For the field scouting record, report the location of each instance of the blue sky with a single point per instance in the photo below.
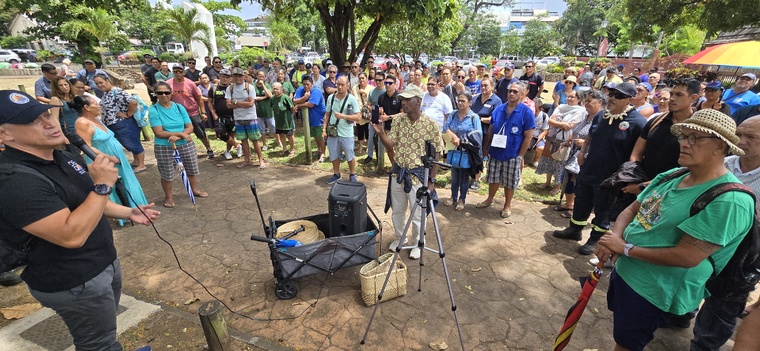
(250, 10)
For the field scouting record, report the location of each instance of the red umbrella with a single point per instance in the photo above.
(575, 312)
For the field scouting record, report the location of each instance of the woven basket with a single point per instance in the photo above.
(373, 275)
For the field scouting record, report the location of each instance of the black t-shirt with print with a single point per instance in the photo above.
(391, 105)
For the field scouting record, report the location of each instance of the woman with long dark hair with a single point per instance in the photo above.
(63, 95)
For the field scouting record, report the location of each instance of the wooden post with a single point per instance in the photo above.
(214, 326)
(21, 87)
(306, 134)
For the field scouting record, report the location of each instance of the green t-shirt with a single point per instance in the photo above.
(263, 107)
(662, 220)
(287, 88)
(345, 128)
(283, 115)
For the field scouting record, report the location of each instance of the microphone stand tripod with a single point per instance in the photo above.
(423, 202)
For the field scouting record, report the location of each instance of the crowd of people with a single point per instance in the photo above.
(608, 142)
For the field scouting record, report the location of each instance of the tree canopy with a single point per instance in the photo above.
(712, 16)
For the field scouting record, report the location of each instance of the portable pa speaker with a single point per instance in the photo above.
(347, 208)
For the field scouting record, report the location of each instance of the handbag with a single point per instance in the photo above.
(561, 153)
(332, 129)
(458, 158)
(366, 112)
(572, 165)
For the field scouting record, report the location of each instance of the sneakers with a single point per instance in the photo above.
(264, 148)
(239, 151)
(367, 160)
(570, 233)
(352, 178)
(210, 154)
(415, 253)
(475, 185)
(589, 247)
(333, 179)
(595, 261)
(10, 278)
(227, 155)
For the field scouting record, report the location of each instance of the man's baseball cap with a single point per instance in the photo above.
(20, 108)
(626, 88)
(328, 62)
(300, 62)
(225, 72)
(237, 71)
(714, 85)
(89, 61)
(620, 67)
(510, 66)
(749, 75)
(480, 64)
(646, 85)
(412, 91)
(611, 70)
(308, 66)
(178, 66)
(147, 56)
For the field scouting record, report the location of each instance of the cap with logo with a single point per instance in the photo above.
(714, 85)
(20, 108)
(177, 66)
(237, 71)
(510, 66)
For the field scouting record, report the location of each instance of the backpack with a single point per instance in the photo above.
(15, 254)
(141, 114)
(247, 89)
(742, 271)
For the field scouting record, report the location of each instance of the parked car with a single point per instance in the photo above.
(126, 55)
(26, 55)
(9, 56)
(516, 60)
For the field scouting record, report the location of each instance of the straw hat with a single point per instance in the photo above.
(713, 122)
(309, 235)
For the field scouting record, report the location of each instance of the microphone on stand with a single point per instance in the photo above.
(77, 141)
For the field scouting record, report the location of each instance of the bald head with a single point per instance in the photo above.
(342, 85)
(749, 137)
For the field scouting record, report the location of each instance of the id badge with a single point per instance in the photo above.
(499, 141)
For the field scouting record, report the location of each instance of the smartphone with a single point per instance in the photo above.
(375, 114)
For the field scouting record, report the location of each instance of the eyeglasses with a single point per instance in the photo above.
(462, 101)
(693, 138)
(163, 93)
(389, 83)
(333, 72)
(512, 91)
(432, 84)
(618, 95)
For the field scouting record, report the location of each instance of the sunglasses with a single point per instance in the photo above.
(378, 80)
(389, 83)
(618, 95)
(191, 63)
(461, 77)
(163, 93)
(528, 66)
(354, 66)
(332, 72)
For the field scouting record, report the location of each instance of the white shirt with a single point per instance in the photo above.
(437, 107)
(750, 179)
(240, 94)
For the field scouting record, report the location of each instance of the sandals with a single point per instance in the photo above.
(201, 194)
(483, 205)
(506, 213)
(554, 191)
(568, 215)
(262, 165)
(460, 206)
(244, 164)
(169, 204)
(559, 208)
(448, 202)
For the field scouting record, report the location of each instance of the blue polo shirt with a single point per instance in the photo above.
(737, 101)
(316, 113)
(513, 126)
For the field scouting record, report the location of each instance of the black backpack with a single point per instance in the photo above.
(15, 254)
(742, 271)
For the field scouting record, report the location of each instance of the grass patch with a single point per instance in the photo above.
(529, 191)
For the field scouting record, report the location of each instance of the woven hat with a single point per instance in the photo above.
(309, 235)
(713, 122)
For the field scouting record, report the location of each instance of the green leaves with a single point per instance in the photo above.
(181, 22)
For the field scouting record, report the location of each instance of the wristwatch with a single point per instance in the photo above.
(642, 186)
(432, 180)
(102, 189)
(627, 248)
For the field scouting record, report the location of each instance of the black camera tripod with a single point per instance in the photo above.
(424, 202)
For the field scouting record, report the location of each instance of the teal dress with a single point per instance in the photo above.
(68, 117)
(106, 143)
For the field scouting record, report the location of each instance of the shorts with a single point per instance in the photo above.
(165, 160)
(266, 125)
(128, 134)
(634, 318)
(316, 132)
(506, 173)
(247, 132)
(337, 144)
(287, 132)
(225, 127)
(362, 131)
(198, 129)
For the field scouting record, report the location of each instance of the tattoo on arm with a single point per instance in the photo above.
(703, 246)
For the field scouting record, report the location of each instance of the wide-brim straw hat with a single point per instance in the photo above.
(714, 122)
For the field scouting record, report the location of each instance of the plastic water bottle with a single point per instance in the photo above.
(350, 110)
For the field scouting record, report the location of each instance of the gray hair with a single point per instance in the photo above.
(598, 95)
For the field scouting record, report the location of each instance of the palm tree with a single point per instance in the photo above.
(181, 22)
(283, 35)
(96, 22)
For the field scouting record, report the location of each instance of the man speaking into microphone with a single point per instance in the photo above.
(50, 198)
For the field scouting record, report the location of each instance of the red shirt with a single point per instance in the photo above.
(185, 94)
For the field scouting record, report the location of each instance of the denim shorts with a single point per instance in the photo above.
(128, 134)
(634, 318)
(337, 144)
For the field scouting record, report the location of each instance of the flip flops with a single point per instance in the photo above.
(559, 208)
(202, 194)
(244, 164)
(483, 205)
(506, 213)
(170, 204)
(568, 215)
